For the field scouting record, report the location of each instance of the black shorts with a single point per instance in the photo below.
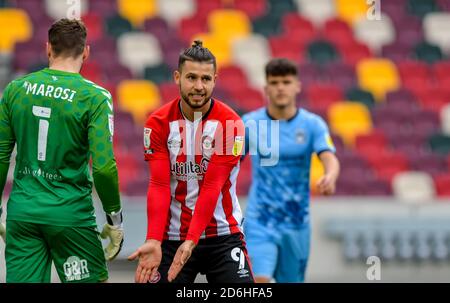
(222, 259)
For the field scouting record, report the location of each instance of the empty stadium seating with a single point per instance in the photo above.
(383, 86)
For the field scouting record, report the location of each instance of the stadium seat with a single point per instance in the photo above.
(430, 163)
(338, 32)
(351, 10)
(279, 8)
(253, 8)
(359, 95)
(94, 25)
(116, 26)
(204, 7)
(375, 34)
(349, 119)
(285, 47)
(388, 164)
(413, 69)
(160, 28)
(15, 26)
(138, 97)
(354, 52)
(374, 143)
(136, 50)
(322, 52)
(251, 54)
(104, 8)
(421, 7)
(396, 51)
(158, 73)
(445, 119)
(321, 96)
(435, 26)
(441, 72)
(317, 11)
(248, 98)
(440, 143)
(413, 186)
(377, 76)
(229, 24)
(442, 184)
(410, 28)
(168, 91)
(298, 29)
(232, 78)
(136, 11)
(219, 47)
(174, 10)
(427, 52)
(190, 26)
(58, 9)
(340, 73)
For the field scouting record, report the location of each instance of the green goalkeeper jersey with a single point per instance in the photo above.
(58, 120)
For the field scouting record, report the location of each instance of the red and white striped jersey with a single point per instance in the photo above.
(188, 149)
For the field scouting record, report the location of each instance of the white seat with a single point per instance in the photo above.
(413, 187)
(138, 50)
(375, 33)
(445, 119)
(252, 53)
(436, 28)
(58, 9)
(175, 10)
(318, 11)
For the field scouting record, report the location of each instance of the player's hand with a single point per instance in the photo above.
(2, 231)
(149, 255)
(114, 231)
(182, 255)
(326, 185)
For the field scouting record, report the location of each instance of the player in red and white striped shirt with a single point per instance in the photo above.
(193, 145)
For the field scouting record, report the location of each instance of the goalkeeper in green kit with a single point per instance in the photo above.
(58, 121)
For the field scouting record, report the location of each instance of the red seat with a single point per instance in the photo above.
(232, 78)
(442, 183)
(191, 26)
(373, 143)
(285, 47)
(321, 96)
(298, 28)
(204, 7)
(253, 8)
(338, 32)
(248, 98)
(168, 91)
(91, 70)
(414, 69)
(387, 164)
(354, 52)
(94, 25)
(434, 99)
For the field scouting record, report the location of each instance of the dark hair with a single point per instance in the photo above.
(281, 67)
(196, 53)
(67, 37)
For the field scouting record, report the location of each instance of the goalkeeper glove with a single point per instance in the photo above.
(113, 230)
(2, 231)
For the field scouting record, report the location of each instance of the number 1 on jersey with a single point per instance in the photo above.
(43, 112)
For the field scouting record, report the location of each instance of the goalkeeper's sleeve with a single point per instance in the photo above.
(104, 168)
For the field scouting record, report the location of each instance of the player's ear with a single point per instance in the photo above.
(176, 77)
(86, 52)
(49, 49)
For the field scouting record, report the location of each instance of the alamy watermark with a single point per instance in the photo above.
(74, 9)
(373, 272)
(374, 11)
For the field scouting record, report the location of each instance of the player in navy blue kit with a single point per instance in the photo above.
(277, 225)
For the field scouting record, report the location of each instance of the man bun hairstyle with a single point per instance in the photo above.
(67, 37)
(196, 53)
(281, 67)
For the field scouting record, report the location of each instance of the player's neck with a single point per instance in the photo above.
(193, 114)
(282, 113)
(66, 65)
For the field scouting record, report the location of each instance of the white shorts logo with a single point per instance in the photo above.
(238, 255)
(75, 269)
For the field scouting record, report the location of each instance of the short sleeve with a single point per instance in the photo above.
(322, 140)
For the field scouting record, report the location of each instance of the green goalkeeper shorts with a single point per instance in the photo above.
(76, 252)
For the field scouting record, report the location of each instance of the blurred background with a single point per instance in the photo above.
(377, 71)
